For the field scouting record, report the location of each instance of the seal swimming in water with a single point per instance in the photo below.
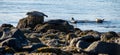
(73, 20)
(99, 20)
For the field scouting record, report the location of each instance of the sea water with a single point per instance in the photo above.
(11, 11)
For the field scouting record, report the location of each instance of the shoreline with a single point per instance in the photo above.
(33, 35)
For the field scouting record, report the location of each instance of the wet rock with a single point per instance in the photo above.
(16, 33)
(7, 25)
(35, 35)
(85, 41)
(57, 51)
(104, 48)
(5, 33)
(36, 46)
(53, 43)
(1, 33)
(50, 36)
(109, 36)
(34, 40)
(70, 36)
(78, 42)
(74, 41)
(32, 20)
(63, 25)
(12, 43)
(26, 30)
(82, 44)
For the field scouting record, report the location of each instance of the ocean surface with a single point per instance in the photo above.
(13, 10)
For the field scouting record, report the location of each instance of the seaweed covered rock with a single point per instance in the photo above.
(57, 51)
(58, 24)
(50, 36)
(7, 25)
(109, 36)
(32, 20)
(12, 43)
(82, 42)
(104, 48)
(17, 34)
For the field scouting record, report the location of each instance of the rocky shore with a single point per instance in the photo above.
(34, 36)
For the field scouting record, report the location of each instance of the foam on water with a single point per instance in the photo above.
(13, 10)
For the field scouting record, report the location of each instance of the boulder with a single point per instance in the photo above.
(63, 25)
(57, 51)
(7, 25)
(53, 43)
(32, 20)
(17, 34)
(86, 40)
(104, 48)
(82, 44)
(74, 41)
(70, 36)
(36, 46)
(109, 36)
(12, 43)
(33, 40)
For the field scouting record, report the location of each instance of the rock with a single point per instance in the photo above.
(74, 41)
(7, 25)
(16, 33)
(109, 36)
(82, 44)
(70, 36)
(63, 25)
(32, 20)
(53, 43)
(50, 36)
(33, 40)
(12, 43)
(104, 48)
(36, 46)
(5, 33)
(85, 39)
(26, 30)
(22, 23)
(57, 51)
(1, 33)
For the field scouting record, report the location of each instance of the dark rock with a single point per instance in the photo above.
(57, 51)
(50, 36)
(36, 46)
(53, 43)
(33, 40)
(104, 48)
(12, 43)
(54, 24)
(82, 44)
(32, 20)
(1, 33)
(7, 25)
(16, 33)
(74, 41)
(109, 36)
(70, 36)
(85, 39)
